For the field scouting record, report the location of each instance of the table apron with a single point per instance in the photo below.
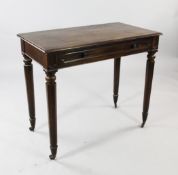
(94, 54)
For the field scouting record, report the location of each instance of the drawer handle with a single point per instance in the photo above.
(70, 61)
(81, 54)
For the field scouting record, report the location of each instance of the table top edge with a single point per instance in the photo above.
(47, 51)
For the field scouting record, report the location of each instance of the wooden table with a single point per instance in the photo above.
(61, 48)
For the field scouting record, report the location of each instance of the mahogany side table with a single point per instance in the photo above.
(61, 48)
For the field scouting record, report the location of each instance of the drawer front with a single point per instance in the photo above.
(105, 52)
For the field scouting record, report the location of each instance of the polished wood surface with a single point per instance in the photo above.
(63, 48)
(77, 37)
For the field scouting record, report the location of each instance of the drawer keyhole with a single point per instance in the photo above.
(82, 55)
(134, 46)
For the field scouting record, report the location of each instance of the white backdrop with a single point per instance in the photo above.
(94, 138)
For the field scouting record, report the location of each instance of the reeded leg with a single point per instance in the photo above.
(148, 84)
(28, 70)
(116, 80)
(52, 110)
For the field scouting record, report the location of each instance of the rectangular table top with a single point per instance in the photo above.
(76, 37)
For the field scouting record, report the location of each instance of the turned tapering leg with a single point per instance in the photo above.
(116, 80)
(28, 70)
(52, 110)
(148, 84)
